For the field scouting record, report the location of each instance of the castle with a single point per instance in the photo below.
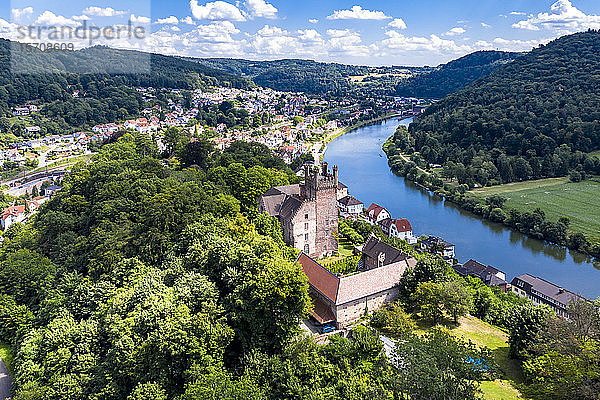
(307, 212)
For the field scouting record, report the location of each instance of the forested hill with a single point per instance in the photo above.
(455, 75)
(106, 76)
(291, 75)
(534, 117)
(163, 71)
(311, 76)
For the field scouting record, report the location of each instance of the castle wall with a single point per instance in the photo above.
(303, 229)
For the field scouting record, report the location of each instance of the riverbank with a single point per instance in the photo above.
(531, 219)
(320, 147)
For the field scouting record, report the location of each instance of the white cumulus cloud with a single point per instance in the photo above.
(397, 23)
(169, 20)
(260, 9)
(103, 12)
(357, 12)
(455, 31)
(313, 20)
(139, 19)
(563, 18)
(187, 20)
(18, 13)
(216, 10)
(48, 18)
(398, 43)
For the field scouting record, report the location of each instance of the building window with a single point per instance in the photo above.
(305, 216)
(306, 249)
(325, 248)
(326, 222)
(306, 236)
(306, 226)
(326, 232)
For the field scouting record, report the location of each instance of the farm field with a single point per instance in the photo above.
(557, 197)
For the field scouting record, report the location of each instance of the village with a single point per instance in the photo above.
(290, 124)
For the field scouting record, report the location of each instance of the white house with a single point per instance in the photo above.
(377, 213)
(398, 228)
(342, 191)
(16, 214)
(438, 246)
(350, 205)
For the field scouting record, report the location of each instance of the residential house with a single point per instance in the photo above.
(437, 246)
(540, 291)
(398, 228)
(376, 253)
(20, 111)
(489, 275)
(15, 214)
(342, 190)
(350, 205)
(331, 125)
(32, 130)
(51, 190)
(376, 213)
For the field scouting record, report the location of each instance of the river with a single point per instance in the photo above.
(363, 168)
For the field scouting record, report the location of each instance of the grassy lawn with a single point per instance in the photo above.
(7, 356)
(557, 197)
(345, 249)
(483, 334)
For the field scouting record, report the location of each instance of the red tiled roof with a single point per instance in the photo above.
(402, 225)
(376, 208)
(319, 277)
(13, 210)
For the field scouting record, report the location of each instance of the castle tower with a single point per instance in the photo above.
(320, 186)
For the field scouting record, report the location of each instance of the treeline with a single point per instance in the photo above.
(453, 76)
(533, 223)
(534, 117)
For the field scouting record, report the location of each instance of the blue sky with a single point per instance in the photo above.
(378, 32)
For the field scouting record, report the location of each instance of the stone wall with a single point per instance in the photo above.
(351, 311)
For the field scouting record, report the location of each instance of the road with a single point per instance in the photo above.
(5, 382)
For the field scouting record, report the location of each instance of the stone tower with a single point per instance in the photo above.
(320, 186)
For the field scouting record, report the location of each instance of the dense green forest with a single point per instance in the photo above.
(535, 117)
(455, 75)
(307, 76)
(100, 73)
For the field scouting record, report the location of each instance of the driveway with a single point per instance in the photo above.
(5, 382)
